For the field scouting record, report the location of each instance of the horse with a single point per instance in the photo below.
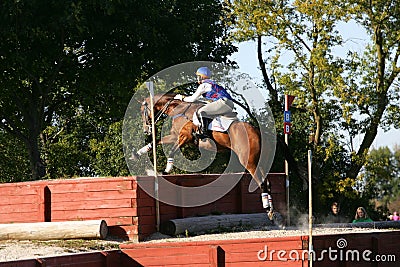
(242, 138)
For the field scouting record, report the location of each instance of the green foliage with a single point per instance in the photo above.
(66, 156)
(338, 96)
(12, 154)
(380, 179)
(69, 68)
(108, 154)
(63, 59)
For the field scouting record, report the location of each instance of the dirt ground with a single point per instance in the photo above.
(12, 250)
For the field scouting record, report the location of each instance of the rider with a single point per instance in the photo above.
(220, 101)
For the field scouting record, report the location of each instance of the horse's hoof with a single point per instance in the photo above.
(165, 173)
(277, 219)
(134, 155)
(270, 214)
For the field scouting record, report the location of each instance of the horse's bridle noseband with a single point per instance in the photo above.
(146, 116)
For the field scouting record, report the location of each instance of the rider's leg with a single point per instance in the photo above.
(218, 107)
(212, 110)
(204, 120)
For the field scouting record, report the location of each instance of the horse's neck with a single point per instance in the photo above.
(162, 103)
(184, 108)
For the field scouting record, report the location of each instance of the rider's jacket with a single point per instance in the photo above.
(217, 91)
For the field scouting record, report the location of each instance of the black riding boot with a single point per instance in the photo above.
(203, 128)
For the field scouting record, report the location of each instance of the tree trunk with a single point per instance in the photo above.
(277, 110)
(54, 230)
(376, 117)
(38, 169)
(207, 223)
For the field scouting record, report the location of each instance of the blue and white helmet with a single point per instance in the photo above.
(203, 72)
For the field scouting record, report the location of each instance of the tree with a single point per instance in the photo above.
(62, 57)
(379, 180)
(339, 97)
(375, 96)
(13, 154)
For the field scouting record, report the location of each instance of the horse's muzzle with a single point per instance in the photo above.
(147, 130)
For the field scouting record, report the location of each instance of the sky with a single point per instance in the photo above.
(246, 58)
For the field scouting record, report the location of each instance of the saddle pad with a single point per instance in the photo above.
(219, 124)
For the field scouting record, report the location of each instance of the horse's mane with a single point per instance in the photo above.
(164, 97)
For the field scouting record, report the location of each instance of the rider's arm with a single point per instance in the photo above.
(203, 88)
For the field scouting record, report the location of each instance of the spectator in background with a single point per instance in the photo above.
(395, 216)
(334, 215)
(361, 216)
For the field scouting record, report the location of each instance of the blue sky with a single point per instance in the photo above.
(246, 58)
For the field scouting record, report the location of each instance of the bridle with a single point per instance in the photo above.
(146, 116)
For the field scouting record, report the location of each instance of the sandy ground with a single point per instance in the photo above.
(18, 250)
(12, 250)
(260, 233)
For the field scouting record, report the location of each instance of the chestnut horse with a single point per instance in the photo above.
(242, 138)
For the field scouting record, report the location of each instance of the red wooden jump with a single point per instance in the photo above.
(372, 248)
(127, 209)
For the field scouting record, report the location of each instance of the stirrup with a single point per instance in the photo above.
(203, 136)
(200, 135)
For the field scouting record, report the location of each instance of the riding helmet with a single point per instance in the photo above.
(204, 72)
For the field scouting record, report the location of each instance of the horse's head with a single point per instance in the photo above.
(146, 116)
(161, 103)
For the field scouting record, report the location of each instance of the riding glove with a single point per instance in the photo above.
(179, 97)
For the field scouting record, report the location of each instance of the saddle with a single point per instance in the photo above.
(220, 123)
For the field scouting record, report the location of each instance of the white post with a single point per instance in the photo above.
(287, 124)
(287, 183)
(310, 220)
(150, 86)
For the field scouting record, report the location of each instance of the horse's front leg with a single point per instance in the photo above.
(169, 139)
(181, 140)
(136, 154)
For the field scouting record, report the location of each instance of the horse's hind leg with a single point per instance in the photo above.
(266, 197)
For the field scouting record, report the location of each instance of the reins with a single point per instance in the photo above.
(183, 113)
(159, 113)
(157, 117)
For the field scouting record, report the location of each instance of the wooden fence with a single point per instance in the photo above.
(128, 211)
(375, 249)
